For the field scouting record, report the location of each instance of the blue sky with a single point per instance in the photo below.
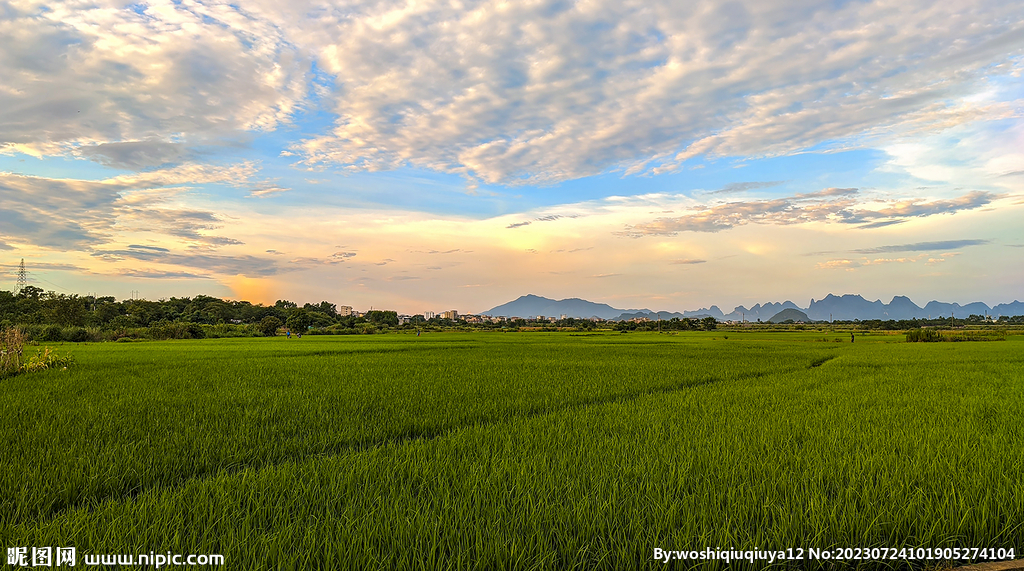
(431, 155)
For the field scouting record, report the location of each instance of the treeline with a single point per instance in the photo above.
(674, 324)
(50, 316)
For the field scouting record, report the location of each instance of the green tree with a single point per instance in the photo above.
(709, 323)
(269, 326)
(382, 317)
(30, 292)
(298, 320)
(324, 307)
(318, 319)
(64, 310)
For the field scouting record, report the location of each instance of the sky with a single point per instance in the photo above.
(432, 155)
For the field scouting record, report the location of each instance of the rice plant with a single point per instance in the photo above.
(532, 451)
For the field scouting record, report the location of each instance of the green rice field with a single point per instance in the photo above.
(518, 450)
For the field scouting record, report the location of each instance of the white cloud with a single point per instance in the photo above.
(66, 214)
(546, 91)
(981, 153)
(81, 73)
(500, 92)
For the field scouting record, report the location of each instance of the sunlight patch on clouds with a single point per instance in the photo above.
(853, 264)
(840, 206)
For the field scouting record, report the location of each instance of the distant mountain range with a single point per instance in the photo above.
(843, 308)
(531, 306)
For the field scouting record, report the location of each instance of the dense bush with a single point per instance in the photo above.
(229, 330)
(176, 331)
(976, 336)
(923, 335)
(193, 331)
(76, 335)
(50, 333)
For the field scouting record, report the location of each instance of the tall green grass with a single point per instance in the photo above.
(527, 451)
(133, 417)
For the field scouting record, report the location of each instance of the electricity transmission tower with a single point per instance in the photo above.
(22, 276)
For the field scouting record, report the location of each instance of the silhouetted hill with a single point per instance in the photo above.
(701, 313)
(760, 311)
(902, 308)
(937, 309)
(846, 307)
(787, 314)
(1010, 309)
(534, 305)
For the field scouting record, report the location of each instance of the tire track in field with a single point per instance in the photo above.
(409, 436)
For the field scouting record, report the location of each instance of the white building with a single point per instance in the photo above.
(429, 315)
(345, 310)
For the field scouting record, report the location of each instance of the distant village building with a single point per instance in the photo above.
(563, 316)
(450, 314)
(429, 315)
(345, 311)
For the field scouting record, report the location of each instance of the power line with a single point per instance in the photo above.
(36, 276)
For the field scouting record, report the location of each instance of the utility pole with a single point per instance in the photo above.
(22, 276)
